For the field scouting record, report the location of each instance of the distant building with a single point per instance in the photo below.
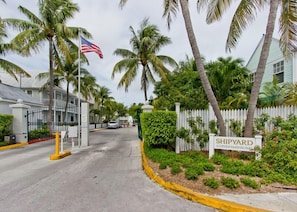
(32, 88)
(12, 95)
(285, 69)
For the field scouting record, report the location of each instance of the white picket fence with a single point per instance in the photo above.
(228, 115)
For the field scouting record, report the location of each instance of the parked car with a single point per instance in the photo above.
(113, 125)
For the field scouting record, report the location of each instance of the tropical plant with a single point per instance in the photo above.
(183, 86)
(66, 70)
(49, 27)
(229, 78)
(88, 86)
(101, 96)
(244, 15)
(11, 68)
(146, 43)
(291, 91)
(273, 94)
(171, 7)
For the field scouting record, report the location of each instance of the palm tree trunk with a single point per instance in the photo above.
(51, 86)
(260, 69)
(199, 63)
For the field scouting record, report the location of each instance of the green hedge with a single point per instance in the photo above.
(5, 125)
(159, 128)
(43, 132)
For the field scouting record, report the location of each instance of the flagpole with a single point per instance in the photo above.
(79, 113)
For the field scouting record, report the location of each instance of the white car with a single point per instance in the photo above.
(113, 125)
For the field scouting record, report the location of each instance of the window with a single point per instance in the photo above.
(29, 92)
(278, 71)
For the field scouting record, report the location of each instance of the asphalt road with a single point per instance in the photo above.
(105, 176)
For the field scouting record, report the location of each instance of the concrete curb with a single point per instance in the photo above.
(12, 146)
(193, 196)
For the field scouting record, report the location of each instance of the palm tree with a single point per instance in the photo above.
(228, 77)
(88, 85)
(49, 27)
(101, 96)
(66, 70)
(11, 68)
(145, 44)
(244, 15)
(171, 7)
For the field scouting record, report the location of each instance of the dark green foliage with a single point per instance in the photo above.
(175, 169)
(233, 167)
(236, 127)
(195, 133)
(249, 182)
(219, 158)
(211, 182)
(43, 132)
(5, 125)
(194, 171)
(213, 127)
(163, 166)
(230, 182)
(159, 128)
(208, 167)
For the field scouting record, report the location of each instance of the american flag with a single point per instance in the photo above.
(87, 46)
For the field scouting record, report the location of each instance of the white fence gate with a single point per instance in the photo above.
(228, 116)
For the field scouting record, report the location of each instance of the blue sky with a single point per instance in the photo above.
(109, 26)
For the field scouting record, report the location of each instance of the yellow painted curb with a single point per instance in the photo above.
(60, 156)
(13, 146)
(193, 196)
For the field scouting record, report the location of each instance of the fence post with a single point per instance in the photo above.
(211, 145)
(19, 112)
(177, 110)
(146, 108)
(211, 113)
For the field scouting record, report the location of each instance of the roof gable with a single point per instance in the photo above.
(11, 93)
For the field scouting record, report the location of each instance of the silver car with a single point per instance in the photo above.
(113, 125)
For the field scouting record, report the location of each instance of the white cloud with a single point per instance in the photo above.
(109, 26)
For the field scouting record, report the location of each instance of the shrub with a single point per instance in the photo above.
(192, 172)
(5, 125)
(230, 182)
(163, 165)
(211, 182)
(249, 182)
(219, 159)
(175, 169)
(208, 167)
(159, 128)
(43, 132)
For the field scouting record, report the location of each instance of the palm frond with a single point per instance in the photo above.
(288, 31)
(245, 14)
(170, 9)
